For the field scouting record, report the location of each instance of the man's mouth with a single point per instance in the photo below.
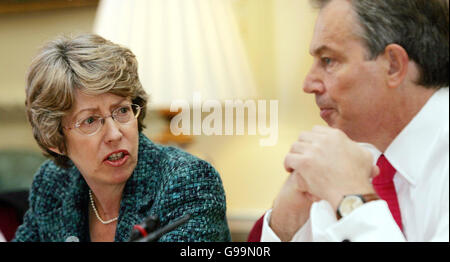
(326, 112)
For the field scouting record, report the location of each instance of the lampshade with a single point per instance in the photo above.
(182, 47)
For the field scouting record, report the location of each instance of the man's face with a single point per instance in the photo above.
(349, 88)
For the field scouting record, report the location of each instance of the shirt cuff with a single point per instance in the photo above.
(369, 223)
(2, 238)
(267, 235)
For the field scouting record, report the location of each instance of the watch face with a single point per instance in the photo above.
(350, 203)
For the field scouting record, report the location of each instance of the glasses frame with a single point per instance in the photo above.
(102, 119)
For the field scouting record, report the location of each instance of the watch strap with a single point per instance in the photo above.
(370, 197)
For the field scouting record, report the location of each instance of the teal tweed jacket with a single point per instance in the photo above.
(166, 182)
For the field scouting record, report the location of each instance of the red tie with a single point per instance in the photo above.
(384, 186)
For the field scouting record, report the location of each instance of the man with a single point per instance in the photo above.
(380, 171)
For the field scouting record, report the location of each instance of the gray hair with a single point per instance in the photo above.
(88, 63)
(421, 27)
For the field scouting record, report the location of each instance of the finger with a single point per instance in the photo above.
(375, 171)
(328, 131)
(300, 183)
(299, 147)
(292, 162)
(322, 129)
(310, 137)
(312, 197)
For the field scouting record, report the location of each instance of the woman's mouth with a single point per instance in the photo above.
(117, 159)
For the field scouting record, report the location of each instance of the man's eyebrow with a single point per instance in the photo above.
(319, 50)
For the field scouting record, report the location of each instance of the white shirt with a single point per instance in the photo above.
(2, 238)
(420, 154)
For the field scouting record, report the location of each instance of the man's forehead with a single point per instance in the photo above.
(335, 25)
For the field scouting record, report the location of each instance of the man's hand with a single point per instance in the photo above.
(331, 164)
(291, 208)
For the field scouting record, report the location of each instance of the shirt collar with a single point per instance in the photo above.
(418, 139)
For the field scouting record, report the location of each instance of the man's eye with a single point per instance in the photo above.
(327, 61)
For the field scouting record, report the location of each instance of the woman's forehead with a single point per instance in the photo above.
(97, 102)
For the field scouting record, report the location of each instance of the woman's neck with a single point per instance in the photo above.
(107, 200)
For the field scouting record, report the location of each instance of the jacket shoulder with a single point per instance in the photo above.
(49, 185)
(167, 158)
(190, 185)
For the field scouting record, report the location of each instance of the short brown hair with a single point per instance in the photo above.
(88, 63)
(421, 27)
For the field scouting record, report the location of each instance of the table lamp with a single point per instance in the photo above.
(183, 47)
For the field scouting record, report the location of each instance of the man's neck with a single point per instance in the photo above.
(406, 104)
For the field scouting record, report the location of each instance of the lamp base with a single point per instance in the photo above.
(166, 137)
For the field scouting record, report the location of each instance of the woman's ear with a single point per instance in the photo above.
(55, 150)
(398, 62)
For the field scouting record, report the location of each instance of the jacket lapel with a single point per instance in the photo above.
(139, 191)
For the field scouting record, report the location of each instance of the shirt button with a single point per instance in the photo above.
(346, 240)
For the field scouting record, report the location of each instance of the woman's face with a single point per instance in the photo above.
(109, 156)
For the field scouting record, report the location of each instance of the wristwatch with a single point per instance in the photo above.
(352, 202)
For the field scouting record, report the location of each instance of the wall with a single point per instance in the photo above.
(21, 36)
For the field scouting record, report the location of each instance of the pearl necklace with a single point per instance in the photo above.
(96, 213)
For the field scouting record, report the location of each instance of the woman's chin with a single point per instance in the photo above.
(119, 172)
(116, 178)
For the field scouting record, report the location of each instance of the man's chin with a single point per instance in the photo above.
(331, 123)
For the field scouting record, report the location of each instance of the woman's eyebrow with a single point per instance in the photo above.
(96, 108)
(118, 103)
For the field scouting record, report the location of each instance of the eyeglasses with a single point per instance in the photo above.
(92, 124)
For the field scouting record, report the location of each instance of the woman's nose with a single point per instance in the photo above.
(112, 130)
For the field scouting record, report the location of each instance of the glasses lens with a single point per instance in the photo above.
(90, 125)
(125, 114)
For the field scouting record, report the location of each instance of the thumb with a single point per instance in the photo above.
(375, 171)
(312, 197)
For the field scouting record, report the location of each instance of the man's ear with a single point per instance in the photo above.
(398, 62)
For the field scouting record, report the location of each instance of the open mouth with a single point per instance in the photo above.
(117, 158)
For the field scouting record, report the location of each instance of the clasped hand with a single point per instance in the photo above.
(330, 165)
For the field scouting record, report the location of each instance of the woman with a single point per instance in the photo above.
(86, 107)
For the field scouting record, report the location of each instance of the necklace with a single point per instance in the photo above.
(96, 213)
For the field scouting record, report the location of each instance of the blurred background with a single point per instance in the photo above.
(251, 49)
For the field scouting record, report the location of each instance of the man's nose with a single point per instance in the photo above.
(313, 83)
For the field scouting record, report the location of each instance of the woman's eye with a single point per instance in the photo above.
(89, 120)
(123, 110)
